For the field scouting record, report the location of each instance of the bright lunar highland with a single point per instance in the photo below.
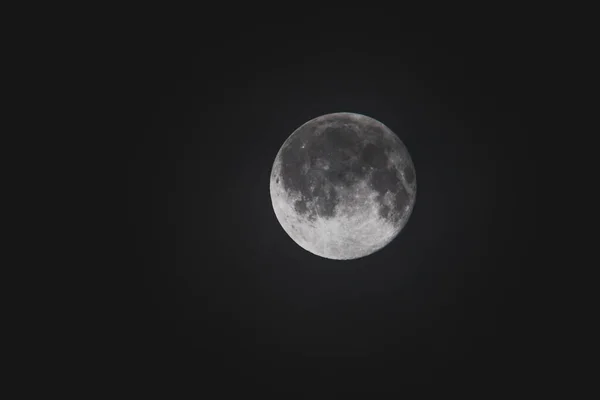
(343, 186)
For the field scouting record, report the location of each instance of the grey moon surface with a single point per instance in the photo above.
(343, 186)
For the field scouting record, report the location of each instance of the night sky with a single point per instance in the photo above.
(211, 293)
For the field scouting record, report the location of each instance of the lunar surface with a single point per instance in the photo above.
(343, 186)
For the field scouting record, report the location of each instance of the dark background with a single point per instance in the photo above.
(210, 292)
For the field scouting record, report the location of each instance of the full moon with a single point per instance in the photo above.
(343, 186)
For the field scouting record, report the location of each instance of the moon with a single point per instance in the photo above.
(343, 186)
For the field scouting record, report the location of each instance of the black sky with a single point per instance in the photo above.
(211, 292)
